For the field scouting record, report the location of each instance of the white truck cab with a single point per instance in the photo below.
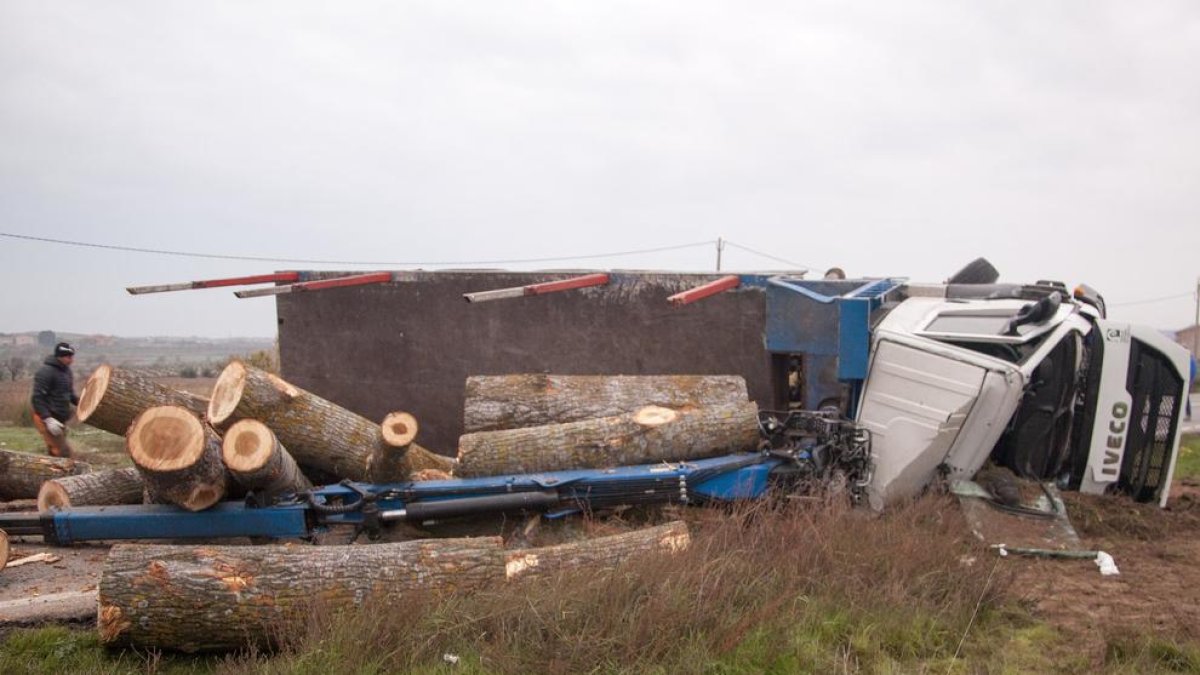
(1040, 382)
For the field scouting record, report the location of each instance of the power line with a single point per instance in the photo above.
(221, 256)
(1150, 300)
(767, 255)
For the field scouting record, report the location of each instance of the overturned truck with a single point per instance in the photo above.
(940, 377)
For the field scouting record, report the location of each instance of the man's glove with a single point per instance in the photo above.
(54, 426)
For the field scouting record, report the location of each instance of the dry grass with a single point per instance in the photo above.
(784, 587)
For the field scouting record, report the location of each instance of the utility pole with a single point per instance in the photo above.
(721, 247)
(1195, 326)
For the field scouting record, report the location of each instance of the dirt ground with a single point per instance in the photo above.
(1157, 591)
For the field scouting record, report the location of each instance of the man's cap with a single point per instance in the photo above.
(63, 349)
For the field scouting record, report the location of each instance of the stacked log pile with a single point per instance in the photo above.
(257, 433)
(532, 423)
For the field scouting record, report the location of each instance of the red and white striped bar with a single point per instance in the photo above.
(216, 283)
(584, 281)
(319, 285)
(707, 290)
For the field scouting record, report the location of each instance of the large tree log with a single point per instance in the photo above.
(601, 553)
(22, 474)
(259, 462)
(101, 488)
(316, 432)
(224, 597)
(647, 436)
(112, 397)
(179, 457)
(515, 401)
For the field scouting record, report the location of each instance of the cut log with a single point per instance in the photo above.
(112, 397)
(102, 488)
(316, 432)
(392, 460)
(179, 457)
(647, 436)
(601, 553)
(516, 401)
(259, 462)
(224, 597)
(22, 474)
(3, 549)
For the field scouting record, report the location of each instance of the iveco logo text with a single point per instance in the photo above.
(1116, 438)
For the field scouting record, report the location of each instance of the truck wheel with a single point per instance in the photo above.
(978, 271)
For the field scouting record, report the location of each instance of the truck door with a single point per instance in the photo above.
(914, 405)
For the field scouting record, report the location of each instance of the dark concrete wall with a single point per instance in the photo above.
(410, 345)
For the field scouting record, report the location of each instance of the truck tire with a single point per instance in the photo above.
(978, 271)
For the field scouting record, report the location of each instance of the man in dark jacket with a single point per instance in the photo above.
(53, 396)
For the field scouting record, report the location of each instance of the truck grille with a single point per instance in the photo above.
(1155, 388)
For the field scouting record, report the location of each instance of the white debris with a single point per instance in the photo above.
(1108, 566)
(452, 659)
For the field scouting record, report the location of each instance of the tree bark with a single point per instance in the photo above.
(116, 486)
(259, 462)
(516, 401)
(316, 432)
(22, 474)
(225, 597)
(197, 598)
(112, 397)
(647, 436)
(601, 553)
(179, 458)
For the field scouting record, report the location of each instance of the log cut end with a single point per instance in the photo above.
(3, 549)
(52, 495)
(248, 446)
(399, 429)
(202, 497)
(653, 416)
(227, 392)
(165, 438)
(93, 391)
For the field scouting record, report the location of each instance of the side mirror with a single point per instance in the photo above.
(1035, 313)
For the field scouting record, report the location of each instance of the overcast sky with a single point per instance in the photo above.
(1060, 140)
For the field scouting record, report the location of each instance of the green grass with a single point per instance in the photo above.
(1188, 465)
(58, 651)
(98, 448)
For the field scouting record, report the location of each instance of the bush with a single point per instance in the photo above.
(24, 416)
(189, 372)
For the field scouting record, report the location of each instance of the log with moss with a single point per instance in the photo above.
(529, 400)
(598, 554)
(257, 460)
(316, 432)
(178, 456)
(112, 397)
(199, 598)
(100, 488)
(648, 436)
(22, 473)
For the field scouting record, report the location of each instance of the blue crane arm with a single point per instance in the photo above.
(368, 505)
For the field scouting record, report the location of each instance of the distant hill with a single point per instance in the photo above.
(169, 355)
